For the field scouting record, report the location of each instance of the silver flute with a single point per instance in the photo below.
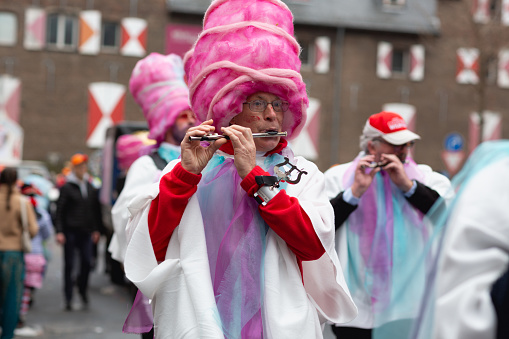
(212, 137)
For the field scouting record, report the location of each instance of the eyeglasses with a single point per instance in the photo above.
(397, 148)
(261, 105)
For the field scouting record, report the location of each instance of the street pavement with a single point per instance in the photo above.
(108, 307)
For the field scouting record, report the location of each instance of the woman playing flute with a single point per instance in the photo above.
(221, 246)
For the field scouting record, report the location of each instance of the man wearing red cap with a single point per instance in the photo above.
(77, 224)
(380, 200)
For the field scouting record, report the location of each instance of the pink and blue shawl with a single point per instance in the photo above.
(385, 234)
(420, 326)
(235, 235)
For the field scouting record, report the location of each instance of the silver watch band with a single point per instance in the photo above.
(265, 194)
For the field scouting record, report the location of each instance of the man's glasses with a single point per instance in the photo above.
(397, 148)
(261, 105)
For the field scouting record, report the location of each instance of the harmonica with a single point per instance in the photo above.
(376, 164)
(212, 137)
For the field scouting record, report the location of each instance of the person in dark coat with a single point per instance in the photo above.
(78, 225)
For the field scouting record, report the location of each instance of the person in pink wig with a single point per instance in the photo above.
(128, 149)
(157, 85)
(237, 238)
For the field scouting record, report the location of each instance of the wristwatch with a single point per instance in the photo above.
(268, 190)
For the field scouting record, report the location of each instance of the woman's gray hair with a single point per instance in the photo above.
(368, 133)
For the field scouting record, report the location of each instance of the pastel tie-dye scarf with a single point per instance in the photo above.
(385, 234)
(235, 235)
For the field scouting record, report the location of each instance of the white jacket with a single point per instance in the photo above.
(181, 289)
(475, 254)
(142, 173)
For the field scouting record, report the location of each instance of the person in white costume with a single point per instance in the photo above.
(379, 200)
(471, 288)
(157, 85)
(222, 247)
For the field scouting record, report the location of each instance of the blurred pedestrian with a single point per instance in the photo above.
(157, 84)
(78, 226)
(15, 211)
(223, 248)
(35, 261)
(379, 201)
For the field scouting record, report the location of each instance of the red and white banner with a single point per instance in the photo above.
(105, 108)
(10, 94)
(35, 28)
(505, 13)
(90, 32)
(180, 38)
(416, 63)
(307, 144)
(322, 54)
(384, 60)
(503, 68)
(134, 37)
(11, 141)
(11, 133)
(481, 11)
(467, 71)
(492, 128)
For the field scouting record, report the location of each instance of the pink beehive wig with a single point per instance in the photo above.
(128, 148)
(157, 85)
(246, 46)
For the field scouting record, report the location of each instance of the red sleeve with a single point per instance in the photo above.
(285, 216)
(175, 189)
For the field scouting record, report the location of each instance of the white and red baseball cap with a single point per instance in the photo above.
(392, 128)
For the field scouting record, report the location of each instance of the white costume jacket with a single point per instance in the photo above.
(142, 173)
(475, 254)
(180, 287)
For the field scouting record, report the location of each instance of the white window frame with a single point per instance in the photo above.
(13, 39)
(61, 26)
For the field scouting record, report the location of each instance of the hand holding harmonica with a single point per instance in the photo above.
(212, 137)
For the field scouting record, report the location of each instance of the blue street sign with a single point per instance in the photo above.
(453, 142)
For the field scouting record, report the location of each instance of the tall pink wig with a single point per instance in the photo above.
(157, 85)
(246, 46)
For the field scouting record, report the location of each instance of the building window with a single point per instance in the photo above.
(399, 62)
(8, 29)
(62, 31)
(110, 36)
(306, 55)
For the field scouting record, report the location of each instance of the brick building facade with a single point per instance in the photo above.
(357, 57)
